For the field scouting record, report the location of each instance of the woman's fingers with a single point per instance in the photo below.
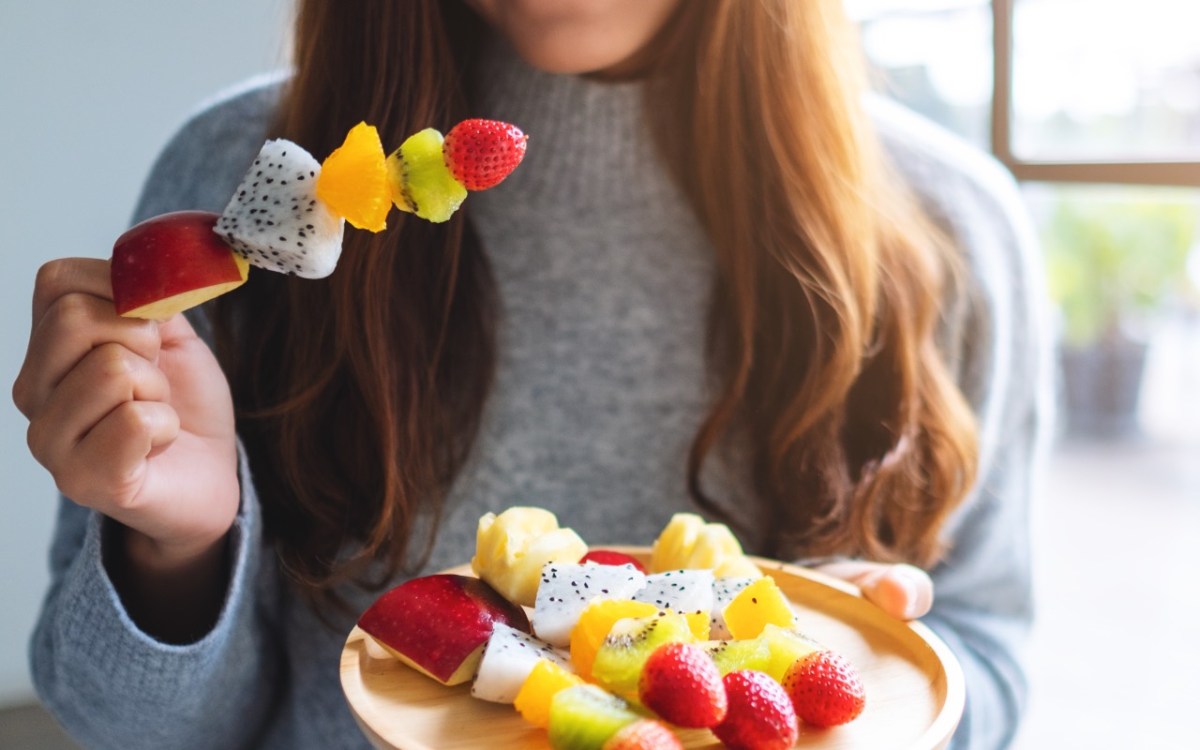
(69, 276)
(70, 327)
(106, 377)
(72, 312)
(903, 591)
(109, 464)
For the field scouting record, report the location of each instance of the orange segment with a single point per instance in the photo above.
(595, 623)
(353, 182)
(758, 604)
(699, 623)
(546, 679)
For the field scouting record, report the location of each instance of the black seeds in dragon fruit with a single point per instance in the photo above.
(567, 588)
(278, 224)
(682, 591)
(508, 658)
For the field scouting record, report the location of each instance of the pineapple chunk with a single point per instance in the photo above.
(737, 567)
(714, 545)
(688, 542)
(511, 548)
(674, 544)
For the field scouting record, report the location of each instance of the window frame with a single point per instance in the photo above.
(1133, 172)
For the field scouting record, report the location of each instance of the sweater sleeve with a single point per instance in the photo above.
(983, 588)
(111, 685)
(108, 683)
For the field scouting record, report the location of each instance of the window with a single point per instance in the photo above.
(1098, 90)
(935, 57)
(1094, 105)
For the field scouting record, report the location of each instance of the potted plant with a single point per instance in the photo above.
(1114, 265)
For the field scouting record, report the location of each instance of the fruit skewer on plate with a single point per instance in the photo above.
(611, 650)
(289, 213)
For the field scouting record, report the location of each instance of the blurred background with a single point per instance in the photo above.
(1093, 104)
(1095, 107)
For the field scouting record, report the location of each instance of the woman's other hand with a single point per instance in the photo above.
(903, 591)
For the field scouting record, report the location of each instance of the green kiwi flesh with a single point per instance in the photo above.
(732, 656)
(619, 660)
(583, 717)
(786, 646)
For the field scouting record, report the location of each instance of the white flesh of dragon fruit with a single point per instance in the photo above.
(275, 219)
(681, 591)
(508, 659)
(724, 591)
(566, 589)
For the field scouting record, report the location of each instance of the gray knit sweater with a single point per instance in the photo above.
(603, 272)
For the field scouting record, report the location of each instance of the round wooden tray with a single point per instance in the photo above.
(914, 685)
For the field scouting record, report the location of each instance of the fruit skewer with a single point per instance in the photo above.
(289, 213)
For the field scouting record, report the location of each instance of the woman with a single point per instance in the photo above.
(708, 286)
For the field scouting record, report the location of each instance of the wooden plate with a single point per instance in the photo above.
(913, 683)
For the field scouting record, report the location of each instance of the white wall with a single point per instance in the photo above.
(89, 92)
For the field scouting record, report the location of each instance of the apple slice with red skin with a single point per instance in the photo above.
(439, 624)
(611, 557)
(167, 264)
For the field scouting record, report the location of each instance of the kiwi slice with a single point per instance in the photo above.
(732, 656)
(420, 181)
(583, 717)
(787, 646)
(619, 660)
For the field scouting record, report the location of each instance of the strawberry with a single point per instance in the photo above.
(611, 557)
(681, 683)
(760, 715)
(481, 153)
(825, 689)
(644, 734)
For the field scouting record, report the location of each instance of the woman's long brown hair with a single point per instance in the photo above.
(829, 288)
(360, 397)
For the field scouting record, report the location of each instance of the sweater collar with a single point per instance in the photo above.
(589, 144)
